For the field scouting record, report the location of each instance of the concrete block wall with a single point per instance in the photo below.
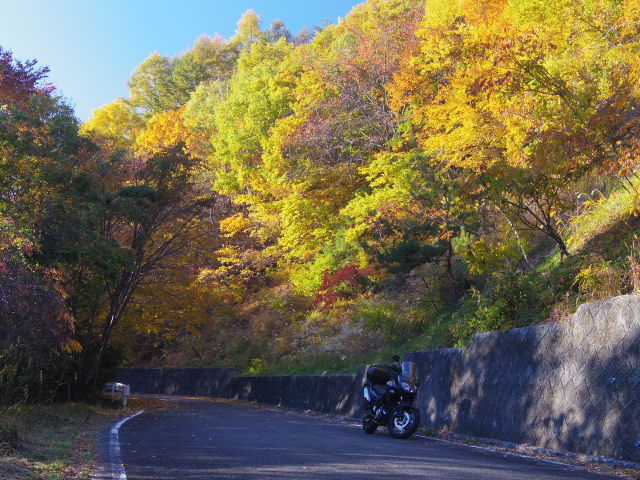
(571, 386)
(334, 394)
(177, 381)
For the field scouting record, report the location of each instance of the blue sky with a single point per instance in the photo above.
(93, 46)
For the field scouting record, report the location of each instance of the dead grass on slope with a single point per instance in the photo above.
(57, 442)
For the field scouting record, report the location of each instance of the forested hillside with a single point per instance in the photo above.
(305, 202)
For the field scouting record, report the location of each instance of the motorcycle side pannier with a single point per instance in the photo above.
(379, 374)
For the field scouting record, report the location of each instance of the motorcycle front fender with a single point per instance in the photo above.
(367, 394)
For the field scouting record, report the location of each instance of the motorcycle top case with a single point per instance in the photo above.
(380, 374)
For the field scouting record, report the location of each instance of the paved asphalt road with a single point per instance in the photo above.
(215, 440)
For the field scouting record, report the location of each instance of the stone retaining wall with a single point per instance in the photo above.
(335, 394)
(571, 386)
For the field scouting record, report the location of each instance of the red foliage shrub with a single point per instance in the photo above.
(35, 325)
(342, 283)
(20, 80)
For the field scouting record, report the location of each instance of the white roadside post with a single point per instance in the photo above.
(115, 391)
(126, 389)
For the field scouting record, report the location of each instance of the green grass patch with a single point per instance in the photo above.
(601, 215)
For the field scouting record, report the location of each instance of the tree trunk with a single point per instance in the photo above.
(117, 308)
(555, 236)
(452, 287)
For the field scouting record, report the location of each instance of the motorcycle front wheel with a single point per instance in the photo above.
(368, 424)
(404, 421)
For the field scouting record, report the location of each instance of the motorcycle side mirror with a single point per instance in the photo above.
(396, 358)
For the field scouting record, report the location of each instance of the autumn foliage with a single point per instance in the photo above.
(414, 173)
(342, 283)
(20, 80)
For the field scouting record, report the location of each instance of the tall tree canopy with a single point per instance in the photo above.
(413, 172)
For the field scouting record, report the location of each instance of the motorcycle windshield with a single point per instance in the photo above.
(409, 371)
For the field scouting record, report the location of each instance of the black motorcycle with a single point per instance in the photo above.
(389, 393)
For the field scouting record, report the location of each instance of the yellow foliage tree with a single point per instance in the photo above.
(117, 123)
(167, 130)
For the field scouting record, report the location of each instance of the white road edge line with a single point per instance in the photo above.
(494, 450)
(117, 467)
(506, 454)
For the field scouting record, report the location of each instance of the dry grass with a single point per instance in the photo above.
(56, 442)
(634, 264)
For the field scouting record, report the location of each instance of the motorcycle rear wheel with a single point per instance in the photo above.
(403, 422)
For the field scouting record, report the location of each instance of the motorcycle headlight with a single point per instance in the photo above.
(408, 387)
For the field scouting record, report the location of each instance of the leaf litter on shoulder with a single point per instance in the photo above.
(60, 441)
